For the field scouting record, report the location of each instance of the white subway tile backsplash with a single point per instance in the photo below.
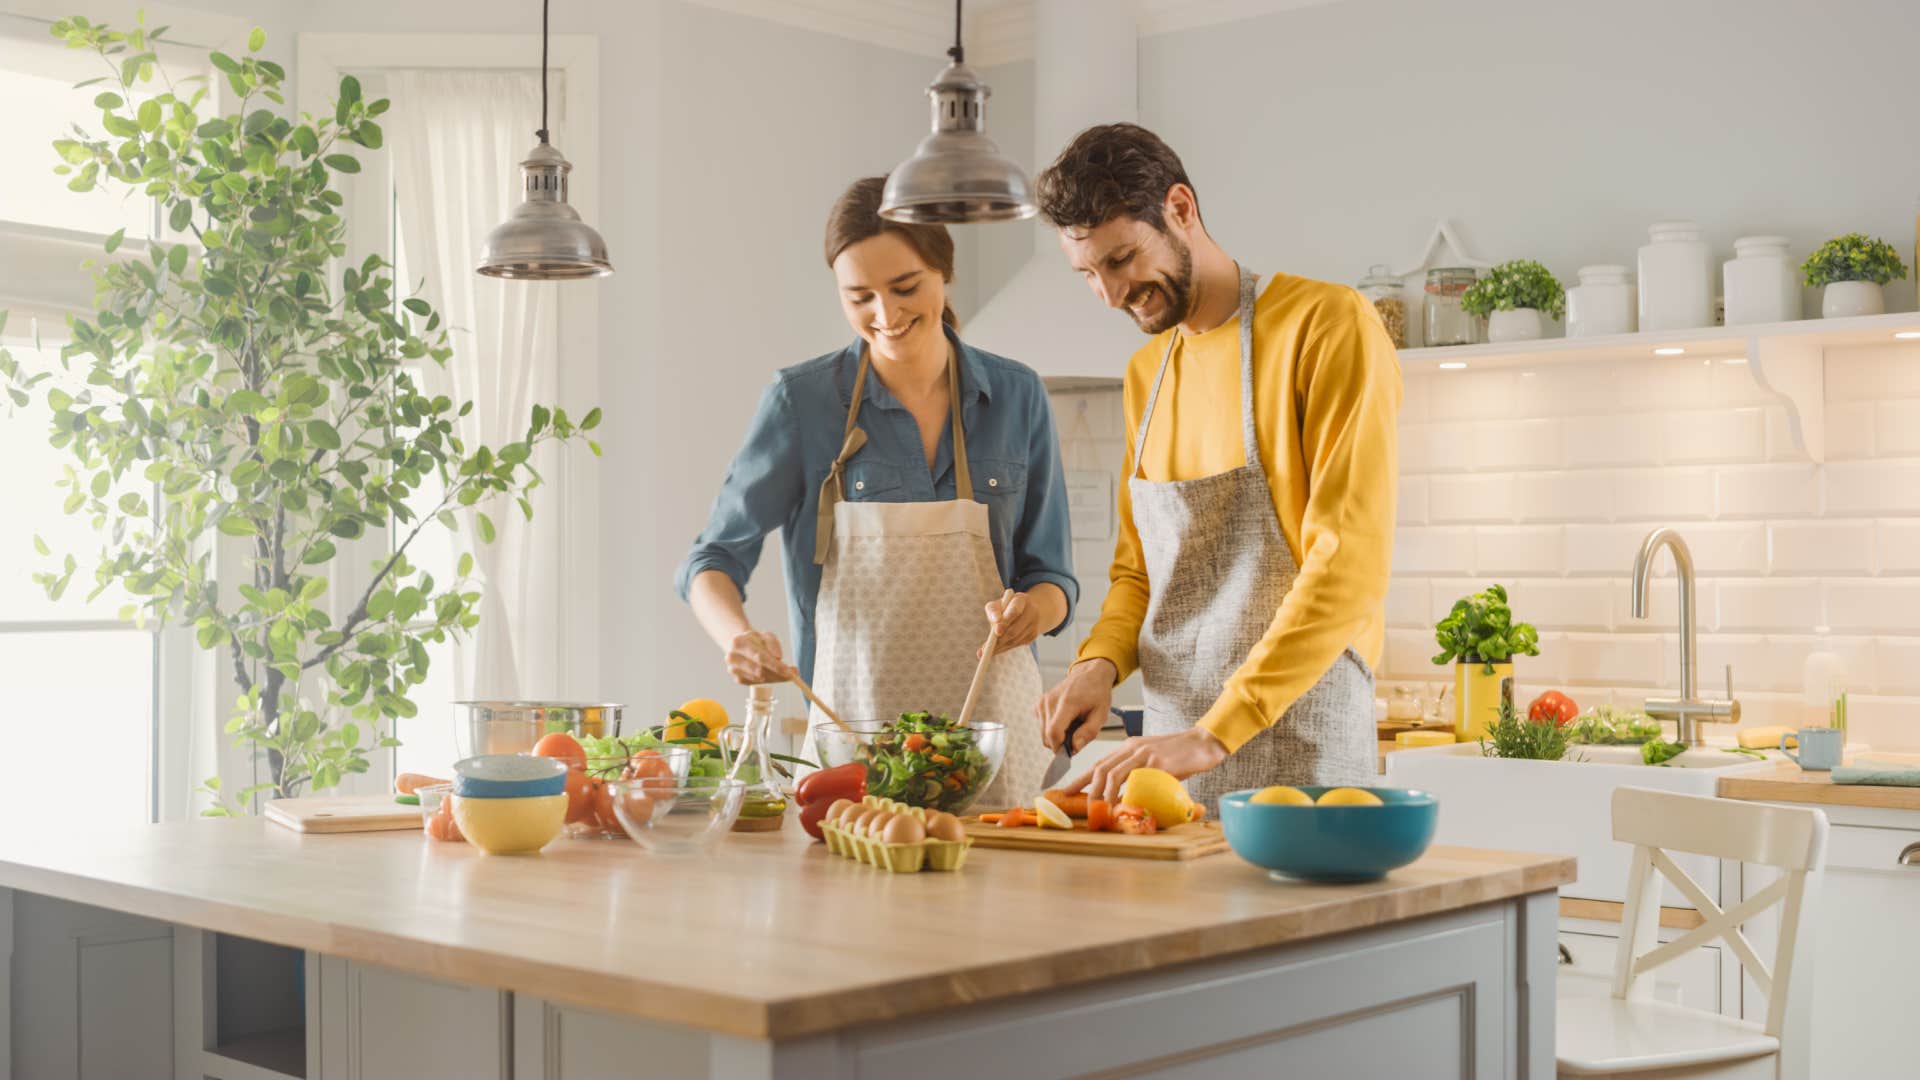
(1548, 497)
(1470, 497)
(1436, 448)
(1605, 549)
(1416, 395)
(1885, 723)
(1821, 547)
(1562, 604)
(1727, 548)
(1473, 395)
(1409, 654)
(1570, 390)
(1896, 546)
(1614, 439)
(1407, 603)
(1432, 551)
(1873, 487)
(1412, 501)
(1868, 606)
(1534, 675)
(1518, 444)
(1675, 493)
(1446, 591)
(1768, 491)
(1612, 659)
(1733, 384)
(1722, 435)
(1874, 374)
(1752, 665)
(1663, 606)
(1849, 431)
(1750, 606)
(1676, 384)
(1897, 667)
(1898, 424)
(1518, 549)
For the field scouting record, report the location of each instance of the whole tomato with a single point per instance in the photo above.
(1555, 706)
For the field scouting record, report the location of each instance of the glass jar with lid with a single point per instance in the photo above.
(1447, 322)
(1383, 289)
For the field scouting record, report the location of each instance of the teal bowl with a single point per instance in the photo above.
(1330, 843)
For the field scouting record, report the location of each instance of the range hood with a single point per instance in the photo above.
(1086, 72)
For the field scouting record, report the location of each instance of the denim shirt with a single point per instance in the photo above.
(774, 480)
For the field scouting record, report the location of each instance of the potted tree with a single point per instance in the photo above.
(1480, 638)
(1849, 270)
(249, 411)
(1513, 298)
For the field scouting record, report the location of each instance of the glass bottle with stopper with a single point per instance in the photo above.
(764, 806)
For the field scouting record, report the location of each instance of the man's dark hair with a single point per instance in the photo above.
(1107, 171)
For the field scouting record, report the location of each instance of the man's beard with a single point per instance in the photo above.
(1176, 289)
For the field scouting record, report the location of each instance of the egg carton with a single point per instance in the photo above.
(928, 854)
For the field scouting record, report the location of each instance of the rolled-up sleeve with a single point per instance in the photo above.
(762, 490)
(1042, 544)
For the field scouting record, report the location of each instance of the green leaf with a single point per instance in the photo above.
(108, 100)
(40, 546)
(256, 40)
(179, 216)
(149, 115)
(485, 525)
(464, 568)
(349, 89)
(320, 552)
(342, 163)
(591, 420)
(323, 435)
(177, 258)
(305, 141)
(235, 525)
(224, 62)
(113, 242)
(416, 305)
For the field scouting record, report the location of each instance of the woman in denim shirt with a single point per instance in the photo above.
(897, 550)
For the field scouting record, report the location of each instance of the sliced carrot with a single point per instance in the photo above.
(1099, 815)
(940, 759)
(1013, 819)
(990, 819)
(916, 741)
(1199, 811)
(1074, 805)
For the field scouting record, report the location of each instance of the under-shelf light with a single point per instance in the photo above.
(1669, 350)
(1906, 335)
(1453, 365)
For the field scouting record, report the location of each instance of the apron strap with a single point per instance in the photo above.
(833, 489)
(1249, 440)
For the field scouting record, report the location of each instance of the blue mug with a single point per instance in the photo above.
(1819, 747)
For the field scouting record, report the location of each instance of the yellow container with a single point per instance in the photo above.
(1477, 694)
(515, 826)
(1424, 738)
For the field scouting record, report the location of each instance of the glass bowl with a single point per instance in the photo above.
(590, 813)
(918, 769)
(673, 815)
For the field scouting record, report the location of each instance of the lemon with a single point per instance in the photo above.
(1158, 793)
(1282, 796)
(1051, 816)
(708, 712)
(1349, 796)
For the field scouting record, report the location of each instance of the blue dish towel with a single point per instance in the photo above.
(1879, 774)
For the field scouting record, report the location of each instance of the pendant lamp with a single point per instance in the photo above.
(957, 175)
(544, 239)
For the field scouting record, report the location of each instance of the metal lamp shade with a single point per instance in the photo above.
(957, 175)
(544, 239)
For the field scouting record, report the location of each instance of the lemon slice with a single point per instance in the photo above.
(1051, 816)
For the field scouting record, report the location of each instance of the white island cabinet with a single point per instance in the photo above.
(238, 951)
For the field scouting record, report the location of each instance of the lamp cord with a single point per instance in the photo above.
(958, 52)
(544, 6)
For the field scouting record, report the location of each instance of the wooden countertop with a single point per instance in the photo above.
(1786, 782)
(768, 937)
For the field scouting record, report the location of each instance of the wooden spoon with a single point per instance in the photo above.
(818, 704)
(986, 657)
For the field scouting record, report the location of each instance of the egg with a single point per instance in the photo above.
(839, 807)
(903, 830)
(878, 823)
(942, 826)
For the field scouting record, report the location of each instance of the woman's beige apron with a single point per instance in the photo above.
(901, 614)
(1218, 567)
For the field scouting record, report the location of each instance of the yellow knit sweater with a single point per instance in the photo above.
(1326, 397)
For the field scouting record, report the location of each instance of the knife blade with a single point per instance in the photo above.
(1061, 758)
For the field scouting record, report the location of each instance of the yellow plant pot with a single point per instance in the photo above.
(1477, 694)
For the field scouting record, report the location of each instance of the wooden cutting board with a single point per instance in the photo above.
(1180, 842)
(343, 814)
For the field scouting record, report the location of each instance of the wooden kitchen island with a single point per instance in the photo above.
(235, 949)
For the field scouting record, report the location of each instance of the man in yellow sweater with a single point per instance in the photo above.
(1256, 523)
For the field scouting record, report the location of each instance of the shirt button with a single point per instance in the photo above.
(993, 481)
(859, 485)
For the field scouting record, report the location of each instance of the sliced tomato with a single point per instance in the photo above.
(1134, 821)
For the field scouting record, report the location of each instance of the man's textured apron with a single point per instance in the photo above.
(1218, 567)
(902, 611)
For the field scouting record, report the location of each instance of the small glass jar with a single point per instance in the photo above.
(1383, 289)
(1603, 302)
(763, 807)
(1447, 322)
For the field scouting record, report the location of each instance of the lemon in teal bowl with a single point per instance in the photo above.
(1292, 837)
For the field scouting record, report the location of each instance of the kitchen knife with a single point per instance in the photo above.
(1061, 757)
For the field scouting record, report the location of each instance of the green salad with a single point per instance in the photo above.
(606, 757)
(1604, 725)
(927, 760)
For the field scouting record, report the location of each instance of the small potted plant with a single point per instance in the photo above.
(1513, 297)
(1850, 270)
(1480, 639)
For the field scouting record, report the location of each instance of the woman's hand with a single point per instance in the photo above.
(1185, 754)
(753, 659)
(1027, 615)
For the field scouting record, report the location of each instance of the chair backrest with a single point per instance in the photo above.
(1790, 840)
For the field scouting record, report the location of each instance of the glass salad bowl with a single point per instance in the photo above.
(590, 809)
(675, 815)
(921, 759)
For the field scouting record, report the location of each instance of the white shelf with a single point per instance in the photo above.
(1788, 360)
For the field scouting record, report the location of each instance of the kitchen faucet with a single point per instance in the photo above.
(1689, 709)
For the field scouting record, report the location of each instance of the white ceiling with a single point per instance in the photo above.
(997, 31)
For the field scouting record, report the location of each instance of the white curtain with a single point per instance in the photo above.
(456, 139)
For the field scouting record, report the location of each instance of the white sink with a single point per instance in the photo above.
(1563, 807)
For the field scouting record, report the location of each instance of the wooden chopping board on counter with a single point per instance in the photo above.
(342, 814)
(1189, 841)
